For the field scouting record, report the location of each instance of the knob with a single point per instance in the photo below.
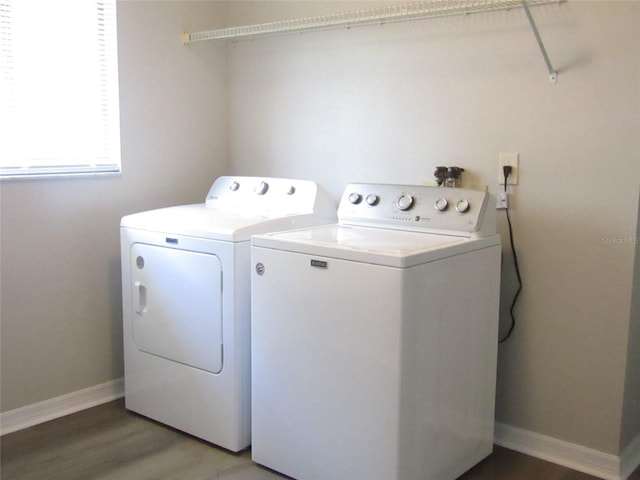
(405, 202)
(462, 206)
(441, 204)
(372, 199)
(262, 188)
(355, 198)
(291, 190)
(234, 186)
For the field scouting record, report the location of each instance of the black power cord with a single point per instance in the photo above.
(507, 171)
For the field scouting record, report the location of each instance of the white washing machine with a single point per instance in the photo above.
(186, 302)
(374, 340)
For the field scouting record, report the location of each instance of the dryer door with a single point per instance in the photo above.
(177, 305)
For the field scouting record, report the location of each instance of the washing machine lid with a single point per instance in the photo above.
(379, 246)
(203, 222)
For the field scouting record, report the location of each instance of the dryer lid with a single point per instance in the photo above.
(237, 207)
(202, 222)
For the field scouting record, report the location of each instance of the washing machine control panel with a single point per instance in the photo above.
(414, 207)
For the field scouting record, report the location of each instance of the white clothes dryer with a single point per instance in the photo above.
(186, 301)
(374, 340)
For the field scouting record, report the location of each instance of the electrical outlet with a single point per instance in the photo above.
(510, 159)
(502, 201)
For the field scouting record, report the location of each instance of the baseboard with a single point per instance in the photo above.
(24, 417)
(583, 459)
(630, 458)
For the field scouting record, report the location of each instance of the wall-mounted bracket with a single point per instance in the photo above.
(553, 74)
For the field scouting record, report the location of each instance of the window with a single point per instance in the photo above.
(59, 110)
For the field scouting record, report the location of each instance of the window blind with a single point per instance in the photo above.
(59, 112)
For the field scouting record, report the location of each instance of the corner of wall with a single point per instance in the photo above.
(630, 428)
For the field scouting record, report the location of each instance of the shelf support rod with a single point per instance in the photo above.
(553, 74)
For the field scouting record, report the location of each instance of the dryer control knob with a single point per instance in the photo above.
(372, 199)
(234, 186)
(462, 206)
(291, 190)
(355, 198)
(262, 188)
(405, 202)
(441, 204)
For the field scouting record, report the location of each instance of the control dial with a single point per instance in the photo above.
(404, 202)
(262, 188)
(291, 190)
(355, 198)
(462, 206)
(234, 186)
(372, 199)
(441, 204)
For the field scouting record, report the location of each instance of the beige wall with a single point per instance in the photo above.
(61, 299)
(389, 103)
(382, 103)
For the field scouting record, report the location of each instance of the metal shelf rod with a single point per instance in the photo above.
(553, 74)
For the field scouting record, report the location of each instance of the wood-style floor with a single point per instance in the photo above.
(109, 443)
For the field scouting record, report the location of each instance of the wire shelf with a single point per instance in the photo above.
(369, 16)
(380, 15)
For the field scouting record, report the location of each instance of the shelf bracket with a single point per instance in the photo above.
(553, 74)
